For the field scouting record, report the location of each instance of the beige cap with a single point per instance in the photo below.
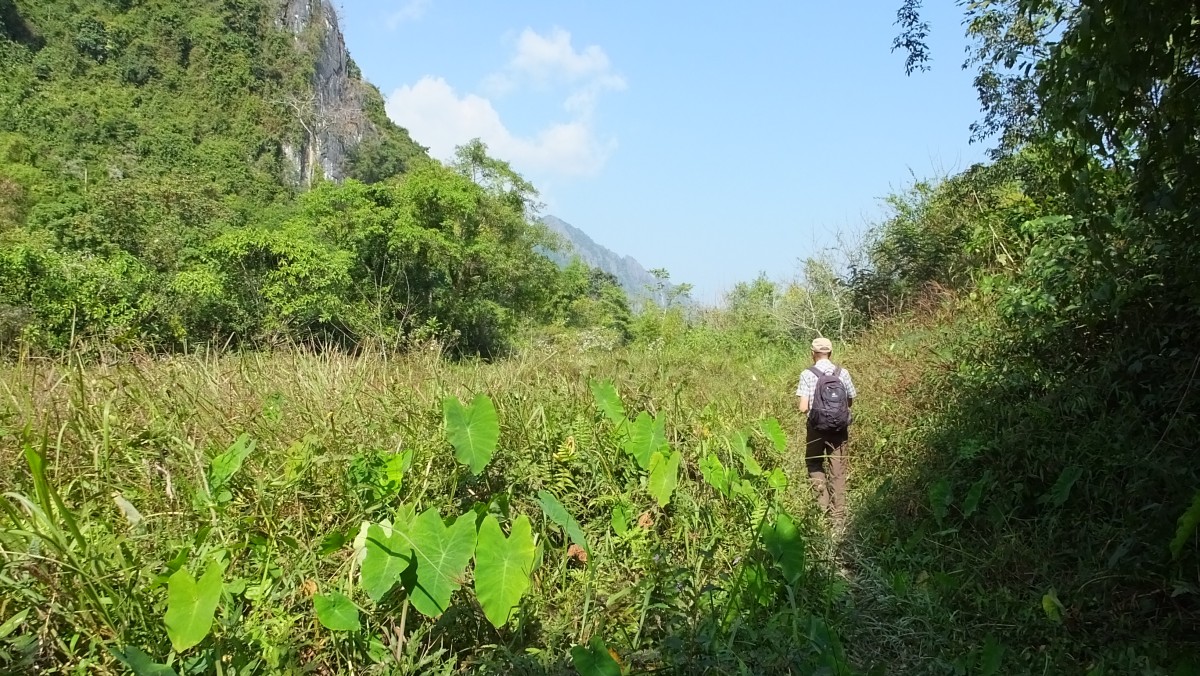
(822, 345)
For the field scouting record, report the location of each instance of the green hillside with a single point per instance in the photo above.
(637, 282)
(156, 161)
(224, 94)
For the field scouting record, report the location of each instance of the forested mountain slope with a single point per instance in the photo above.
(156, 160)
(242, 96)
(632, 277)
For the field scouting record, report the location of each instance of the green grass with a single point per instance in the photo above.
(687, 584)
(918, 582)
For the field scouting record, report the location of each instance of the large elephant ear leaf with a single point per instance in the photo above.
(336, 612)
(191, 606)
(646, 436)
(774, 431)
(608, 401)
(594, 659)
(388, 556)
(664, 476)
(442, 554)
(502, 567)
(472, 430)
(786, 545)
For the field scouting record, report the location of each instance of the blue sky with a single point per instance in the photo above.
(712, 141)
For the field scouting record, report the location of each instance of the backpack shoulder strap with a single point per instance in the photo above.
(816, 372)
(837, 371)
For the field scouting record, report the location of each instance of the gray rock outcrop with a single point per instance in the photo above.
(331, 115)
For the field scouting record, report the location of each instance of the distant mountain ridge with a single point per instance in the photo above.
(637, 282)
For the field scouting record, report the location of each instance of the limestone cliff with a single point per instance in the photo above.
(333, 115)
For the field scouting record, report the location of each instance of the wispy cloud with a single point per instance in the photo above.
(410, 10)
(552, 61)
(441, 118)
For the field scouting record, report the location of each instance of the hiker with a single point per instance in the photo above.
(826, 394)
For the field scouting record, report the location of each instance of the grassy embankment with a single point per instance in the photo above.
(912, 586)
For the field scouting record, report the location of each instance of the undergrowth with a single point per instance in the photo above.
(988, 533)
(123, 478)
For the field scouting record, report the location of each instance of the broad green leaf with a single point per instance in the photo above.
(714, 473)
(388, 555)
(191, 606)
(664, 476)
(10, 625)
(745, 489)
(442, 556)
(777, 479)
(940, 497)
(502, 567)
(336, 612)
(1188, 521)
(737, 443)
(332, 542)
(395, 467)
(755, 585)
(140, 663)
(993, 654)
(608, 401)
(594, 659)
(975, 494)
(620, 518)
(646, 435)
(1058, 495)
(224, 466)
(786, 545)
(555, 511)
(1052, 606)
(472, 430)
(774, 432)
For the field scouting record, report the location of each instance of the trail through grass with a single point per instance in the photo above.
(649, 504)
(269, 465)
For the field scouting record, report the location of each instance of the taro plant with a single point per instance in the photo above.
(427, 556)
(191, 606)
(473, 430)
(644, 439)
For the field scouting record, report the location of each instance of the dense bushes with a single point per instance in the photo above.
(144, 199)
(1047, 421)
(432, 252)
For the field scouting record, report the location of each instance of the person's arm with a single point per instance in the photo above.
(803, 394)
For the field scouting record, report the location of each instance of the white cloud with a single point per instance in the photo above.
(583, 100)
(411, 10)
(551, 60)
(440, 118)
(549, 57)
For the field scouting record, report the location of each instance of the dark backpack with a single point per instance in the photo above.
(829, 410)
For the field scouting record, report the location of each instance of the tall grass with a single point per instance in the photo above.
(111, 491)
(977, 544)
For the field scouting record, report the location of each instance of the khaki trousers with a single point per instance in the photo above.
(822, 450)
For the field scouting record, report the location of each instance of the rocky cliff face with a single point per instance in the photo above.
(332, 115)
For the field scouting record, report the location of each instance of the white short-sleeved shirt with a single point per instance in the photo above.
(808, 380)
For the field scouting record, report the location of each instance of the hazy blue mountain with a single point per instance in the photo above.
(630, 274)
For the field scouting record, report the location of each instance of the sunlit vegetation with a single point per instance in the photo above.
(255, 426)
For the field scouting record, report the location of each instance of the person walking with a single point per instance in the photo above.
(826, 394)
